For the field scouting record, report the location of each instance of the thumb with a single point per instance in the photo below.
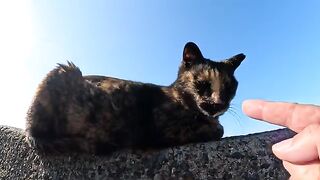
(302, 148)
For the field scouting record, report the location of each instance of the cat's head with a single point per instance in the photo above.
(211, 85)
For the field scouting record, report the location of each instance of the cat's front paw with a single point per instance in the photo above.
(219, 132)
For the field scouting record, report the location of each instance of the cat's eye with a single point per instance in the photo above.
(204, 88)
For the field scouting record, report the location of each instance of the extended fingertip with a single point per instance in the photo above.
(252, 108)
(246, 103)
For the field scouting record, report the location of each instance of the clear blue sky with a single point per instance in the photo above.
(143, 41)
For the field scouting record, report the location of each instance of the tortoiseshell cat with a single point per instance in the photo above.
(96, 114)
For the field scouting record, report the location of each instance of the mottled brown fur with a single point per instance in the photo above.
(97, 114)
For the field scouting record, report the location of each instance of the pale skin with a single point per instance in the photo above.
(301, 153)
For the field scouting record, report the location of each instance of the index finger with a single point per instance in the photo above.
(293, 116)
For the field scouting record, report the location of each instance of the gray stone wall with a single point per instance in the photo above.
(241, 157)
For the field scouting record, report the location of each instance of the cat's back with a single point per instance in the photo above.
(110, 84)
(127, 92)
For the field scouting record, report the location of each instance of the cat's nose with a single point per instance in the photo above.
(216, 98)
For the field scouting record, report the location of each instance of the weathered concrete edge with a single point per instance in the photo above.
(239, 157)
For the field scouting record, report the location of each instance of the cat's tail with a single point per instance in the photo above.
(59, 97)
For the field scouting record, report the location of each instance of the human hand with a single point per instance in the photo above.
(300, 154)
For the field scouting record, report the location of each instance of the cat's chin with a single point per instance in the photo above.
(213, 110)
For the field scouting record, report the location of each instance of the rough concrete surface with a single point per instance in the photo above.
(241, 157)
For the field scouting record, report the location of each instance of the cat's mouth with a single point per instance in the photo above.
(213, 109)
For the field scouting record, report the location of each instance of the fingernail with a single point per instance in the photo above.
(283, 146)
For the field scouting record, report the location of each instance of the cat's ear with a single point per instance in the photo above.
(235, 61)
(191, 54)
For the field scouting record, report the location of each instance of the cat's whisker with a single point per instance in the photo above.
(235, 106)
(232, 111)
(235, 113)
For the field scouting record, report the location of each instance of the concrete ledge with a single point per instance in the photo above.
(241, 157)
